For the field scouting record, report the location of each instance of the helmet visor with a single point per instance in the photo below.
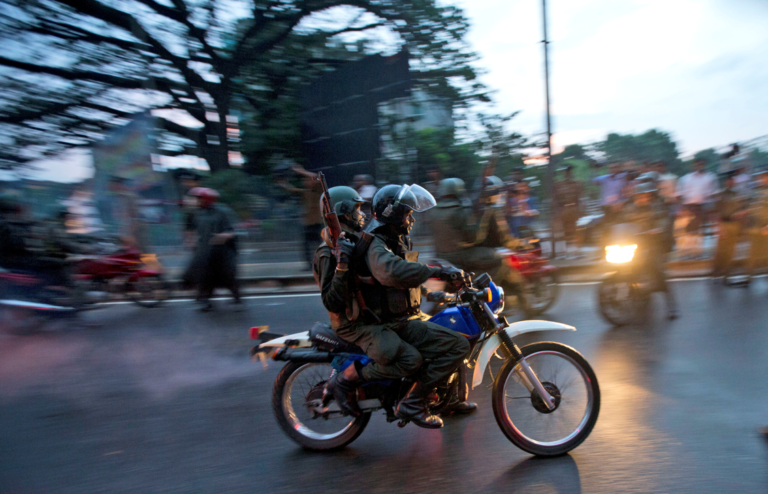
(415, 197)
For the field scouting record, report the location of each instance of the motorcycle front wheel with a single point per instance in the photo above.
(297, 388)
(621, 301)
(523, 416)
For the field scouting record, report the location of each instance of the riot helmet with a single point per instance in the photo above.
(392, 204)
(451, 192)
(343, 200)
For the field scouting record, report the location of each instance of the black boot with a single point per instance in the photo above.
(413, 408)
(460, 407)
(342, 389)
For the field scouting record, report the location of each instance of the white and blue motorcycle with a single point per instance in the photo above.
(546, 398)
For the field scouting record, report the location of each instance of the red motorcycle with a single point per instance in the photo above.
(127, 272)
(540, 288)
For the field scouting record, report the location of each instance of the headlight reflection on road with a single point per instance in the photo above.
(618, 254)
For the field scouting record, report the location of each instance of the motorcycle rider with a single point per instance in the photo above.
(649, 214)
(392, 331)
(460, 241)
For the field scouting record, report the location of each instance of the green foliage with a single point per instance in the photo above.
(653, 145)
(710, 156)
(238, 190)
(438, 148)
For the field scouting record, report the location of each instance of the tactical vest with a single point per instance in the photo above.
(385, 302)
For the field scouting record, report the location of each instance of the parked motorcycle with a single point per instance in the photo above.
(546, 398)
(127, 272)
(625, 293)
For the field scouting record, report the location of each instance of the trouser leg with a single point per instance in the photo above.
(758, 252)
(392, 357)
(445, 349)
(726, 246)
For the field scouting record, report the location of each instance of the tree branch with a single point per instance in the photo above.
(74, 75)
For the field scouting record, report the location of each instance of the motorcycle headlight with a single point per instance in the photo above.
(497, 298)
(618, 254)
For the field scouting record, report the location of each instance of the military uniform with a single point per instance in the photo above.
(729, 205)
(394, 334)
(568, 196)
(758, 239)
(471, 246)
(652, 217)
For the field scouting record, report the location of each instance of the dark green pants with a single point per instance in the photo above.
(399, 349)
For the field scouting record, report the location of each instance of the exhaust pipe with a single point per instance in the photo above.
(308, 355)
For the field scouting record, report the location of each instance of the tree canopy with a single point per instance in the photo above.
(73, 69)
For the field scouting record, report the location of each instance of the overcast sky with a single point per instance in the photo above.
(695, 68)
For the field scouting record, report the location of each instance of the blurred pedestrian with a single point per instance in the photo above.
(742, 182)
(568, 194)
(666, 182)
(214, 261)
(611, 195)
(363, 184)
(758, 231)
(310, 193)
(524, 208)
(695, 191)
(435, 177)
(731, 211)
(125, 212)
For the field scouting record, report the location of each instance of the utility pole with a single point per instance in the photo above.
(550, 165)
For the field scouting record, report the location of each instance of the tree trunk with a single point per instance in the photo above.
(217, 155)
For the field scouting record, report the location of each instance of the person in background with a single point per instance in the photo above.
(214, 261)
(742, 182)
(694, 191)
(188, 180)
(524, 208)
(611, 197)
(758, 231)
(568, 199)
(435, 177)
(363, 184)
(125, 212)
(310, 193)
(667, 182)
(731, 211)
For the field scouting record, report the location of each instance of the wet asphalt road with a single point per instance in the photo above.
(166, 400)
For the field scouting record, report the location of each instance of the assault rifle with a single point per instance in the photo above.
(331, 218)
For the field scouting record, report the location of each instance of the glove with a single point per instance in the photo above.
(453, 276)
(344, 249)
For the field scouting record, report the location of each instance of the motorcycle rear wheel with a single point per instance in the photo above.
(294, 418)
(540, 295)
(569, 378)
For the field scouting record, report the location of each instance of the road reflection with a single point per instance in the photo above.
(539, 475)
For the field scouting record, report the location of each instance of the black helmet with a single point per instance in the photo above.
(392, 202)
(343, 200)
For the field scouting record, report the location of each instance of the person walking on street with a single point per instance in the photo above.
(568, 199)
(214, 261)
(695, 191)
(758, 231)
(611, 196)
(731, 211)
(310, 193)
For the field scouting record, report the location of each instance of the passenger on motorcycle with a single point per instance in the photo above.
(652, 219)
(472, 247)
(390, 328)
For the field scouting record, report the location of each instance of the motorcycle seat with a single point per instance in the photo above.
(324, 337)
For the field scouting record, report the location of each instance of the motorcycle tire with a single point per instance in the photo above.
(637, 303)
(139, 294)
(533, 309)
(287, 418)
(580, 432)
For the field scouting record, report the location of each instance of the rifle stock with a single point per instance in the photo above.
(331, 218)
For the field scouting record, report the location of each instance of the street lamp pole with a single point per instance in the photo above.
(550, 166)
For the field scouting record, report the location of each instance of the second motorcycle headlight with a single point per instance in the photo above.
(618, 254)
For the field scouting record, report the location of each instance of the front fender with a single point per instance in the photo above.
(515, 329)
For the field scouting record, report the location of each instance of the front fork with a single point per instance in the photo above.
(528, 377)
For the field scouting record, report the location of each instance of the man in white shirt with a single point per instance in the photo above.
(694, 191)
(667, 182)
